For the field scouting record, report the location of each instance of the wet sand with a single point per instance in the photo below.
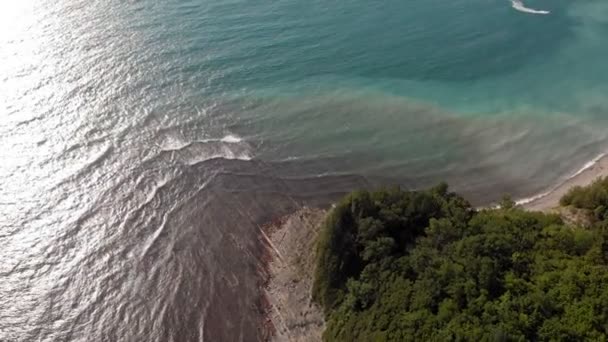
(550, 200)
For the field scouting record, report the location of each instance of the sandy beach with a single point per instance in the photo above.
(549, 200)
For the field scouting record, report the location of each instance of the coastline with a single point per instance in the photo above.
(549, 200)
(289, 242)
(289, 254)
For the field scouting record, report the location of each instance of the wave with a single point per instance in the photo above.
(519, 6)
(584, 168)
(226, 154)
(197, 151)
(233, 139)
(93, 162)
(588, 165)
(535, 197)
(180, 145)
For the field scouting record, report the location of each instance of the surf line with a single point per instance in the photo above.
(519, 6)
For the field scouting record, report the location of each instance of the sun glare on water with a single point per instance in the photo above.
(17, 23)
(19, 41)
(14, 14)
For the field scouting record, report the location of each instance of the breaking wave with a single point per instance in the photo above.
(584, 168)
(520, 6)
(197, 151)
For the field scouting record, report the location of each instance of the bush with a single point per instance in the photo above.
(424, 266)
(588, 197)
(369, 227)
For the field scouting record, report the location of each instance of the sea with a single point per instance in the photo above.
(144, 143)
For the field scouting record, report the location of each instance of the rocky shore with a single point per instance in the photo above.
(290, 247)
(290, 253)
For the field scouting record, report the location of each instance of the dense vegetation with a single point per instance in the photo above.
(592, 198)
(424, 266)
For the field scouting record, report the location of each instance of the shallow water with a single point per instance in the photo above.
(144, 142)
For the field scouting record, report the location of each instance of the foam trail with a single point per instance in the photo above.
(519, 6)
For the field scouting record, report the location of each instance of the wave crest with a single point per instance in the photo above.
(196, 151)
(590, 164)
(518, 5)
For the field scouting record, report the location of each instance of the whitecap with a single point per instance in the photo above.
(231, 139)
(225, 154)
(519, 6)
(176, 144)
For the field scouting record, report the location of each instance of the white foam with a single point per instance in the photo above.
(175, 144)
(519, 6)
(224, 151)
(229, 155)
(588, 165)
(233, 139)
(585, 167)
(194, 152)
(533, 198)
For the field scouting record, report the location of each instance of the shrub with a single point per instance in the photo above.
(424, 266)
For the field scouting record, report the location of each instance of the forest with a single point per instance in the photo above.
(396, 265)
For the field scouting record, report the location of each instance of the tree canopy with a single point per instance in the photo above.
(592, 198)
(397, 265)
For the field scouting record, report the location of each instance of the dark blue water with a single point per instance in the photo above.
(144, 142)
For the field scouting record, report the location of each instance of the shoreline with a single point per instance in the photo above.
(549, 200)
(291, 315)
(289, 254)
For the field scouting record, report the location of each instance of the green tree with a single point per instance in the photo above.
(396, 265)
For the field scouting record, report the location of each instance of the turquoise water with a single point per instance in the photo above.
(422, 90)
(415, 88)
(143, 142)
